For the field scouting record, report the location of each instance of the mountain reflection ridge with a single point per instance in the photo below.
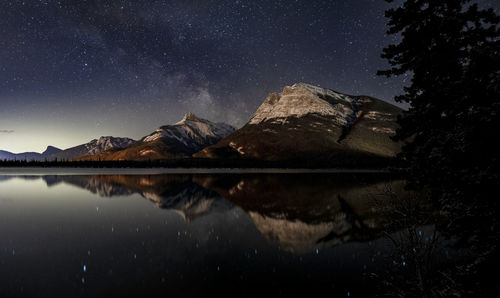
(299, 212)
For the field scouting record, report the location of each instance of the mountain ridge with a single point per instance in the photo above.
(179, 140)
(52, 153)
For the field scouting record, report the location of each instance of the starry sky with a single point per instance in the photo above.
(74, 70)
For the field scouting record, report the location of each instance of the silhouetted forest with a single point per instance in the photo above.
(373, 162)
(450, 50)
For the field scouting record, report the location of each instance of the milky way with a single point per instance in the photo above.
(74, 70)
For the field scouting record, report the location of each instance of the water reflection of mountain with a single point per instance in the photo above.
(104, 186)
(301, 212)
(304, 212)
(5, 178)
(174, 192)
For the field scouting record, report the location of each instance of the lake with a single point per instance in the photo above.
(101, 233)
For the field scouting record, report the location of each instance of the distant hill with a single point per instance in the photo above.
(52, 153)
(29, 156)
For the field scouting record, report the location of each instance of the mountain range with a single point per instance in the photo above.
(52, 153)
(5, 155)
(179, 140)
(303, 122)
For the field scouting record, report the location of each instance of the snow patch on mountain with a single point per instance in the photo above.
(374, 115)
(385, 130)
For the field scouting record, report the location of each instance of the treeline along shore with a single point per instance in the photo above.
(372, 163)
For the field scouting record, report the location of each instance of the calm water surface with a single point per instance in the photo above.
(190, 234)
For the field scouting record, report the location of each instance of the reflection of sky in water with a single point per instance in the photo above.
(102, 234)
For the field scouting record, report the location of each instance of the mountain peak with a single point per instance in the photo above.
(192, 131)
(51, 150)
(320, 91)
(105, 143)
(303, 99)
(307, 122)
(190, 116)
(105, 138)
(302, 84)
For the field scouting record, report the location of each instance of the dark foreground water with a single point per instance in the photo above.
(191, 234)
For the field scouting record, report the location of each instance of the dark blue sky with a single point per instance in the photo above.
(73, 70)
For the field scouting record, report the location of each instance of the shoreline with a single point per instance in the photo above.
(40, 171)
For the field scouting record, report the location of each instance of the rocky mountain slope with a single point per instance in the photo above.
(179, 140)
(51, 150)
(308, 122)
(93, 147)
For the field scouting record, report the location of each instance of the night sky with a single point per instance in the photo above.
(74, 70)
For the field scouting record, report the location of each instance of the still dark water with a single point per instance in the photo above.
(191, 234)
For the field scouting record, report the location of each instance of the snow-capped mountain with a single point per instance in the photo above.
(178, 140)
(93, 147)
(192, 129)
(313, 123)
(106, 143)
